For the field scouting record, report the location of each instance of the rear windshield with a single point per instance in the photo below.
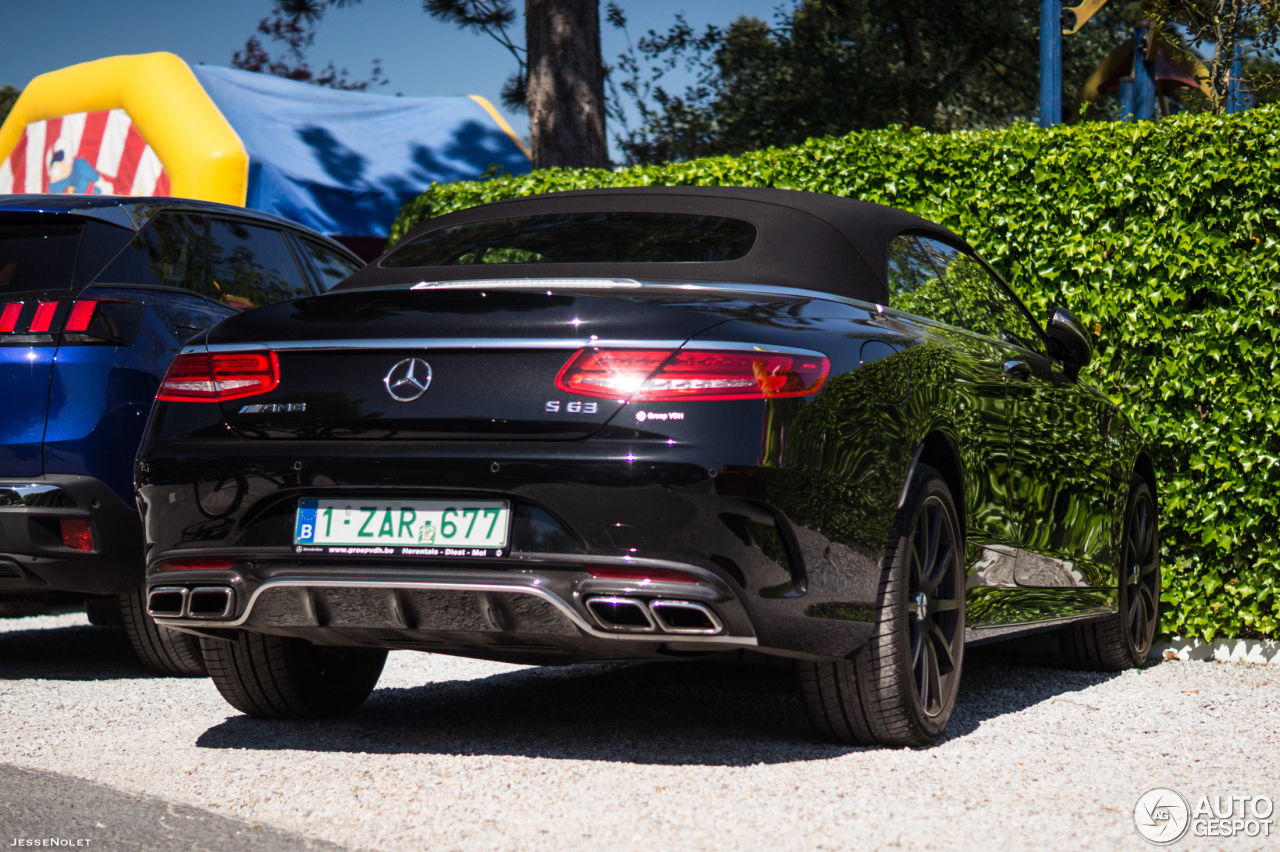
(581, 238)
(38, 255)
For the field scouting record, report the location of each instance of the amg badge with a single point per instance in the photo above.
(273, 408)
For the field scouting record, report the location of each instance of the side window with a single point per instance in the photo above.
(984, 304)
(330, 266)
(168, 252)
(914, 282)
(250, 266)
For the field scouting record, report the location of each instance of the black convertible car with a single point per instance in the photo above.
(645, 424)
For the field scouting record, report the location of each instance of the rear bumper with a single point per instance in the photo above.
(33, 557)
(537, 605)
(764, 574)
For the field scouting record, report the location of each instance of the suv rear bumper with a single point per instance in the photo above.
(33, 556)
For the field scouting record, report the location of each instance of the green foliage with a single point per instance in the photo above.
(1163, 237)
(826, 67)
(8, 97)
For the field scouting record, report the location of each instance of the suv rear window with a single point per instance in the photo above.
(38, 255)
(581, 238)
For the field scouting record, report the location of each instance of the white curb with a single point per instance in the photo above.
(1223, 650)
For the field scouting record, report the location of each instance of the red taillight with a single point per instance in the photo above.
(650, 375)
(212, 564)
(610, 373)
(217, 377)
(76, 533)
(639, 575)
(9, 317)
(81, 315)
(43, 318)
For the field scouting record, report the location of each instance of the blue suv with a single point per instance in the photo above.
(97, 295)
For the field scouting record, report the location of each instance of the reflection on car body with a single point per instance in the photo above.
(725, 420)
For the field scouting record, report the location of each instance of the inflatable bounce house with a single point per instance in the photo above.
(339, 162)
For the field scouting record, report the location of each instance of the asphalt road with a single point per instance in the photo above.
(452, 754)
(61, 812)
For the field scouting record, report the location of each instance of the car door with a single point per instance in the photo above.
(1061, 458)
(973, 391)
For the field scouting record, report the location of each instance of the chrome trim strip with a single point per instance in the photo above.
(401, 344)
(704, 286)
(529, 283)
(430, 343)
(739, 346)
(716, 625)
(23, 496)
(616, 561)
(554, 600)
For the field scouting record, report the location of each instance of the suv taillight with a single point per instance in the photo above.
(84, 321)
(203, 377)
(661, 375)
(9, 317)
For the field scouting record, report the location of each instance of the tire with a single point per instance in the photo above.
(1124, 640)
(282, 677)
(900, 689)
(165, 651)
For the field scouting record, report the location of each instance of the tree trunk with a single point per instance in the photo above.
(565, 83)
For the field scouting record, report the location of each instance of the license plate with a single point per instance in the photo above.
(423, 528)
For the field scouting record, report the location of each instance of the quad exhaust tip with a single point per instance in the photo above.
(631, 615)
(201, 602)
(626, 614)
(686, 617)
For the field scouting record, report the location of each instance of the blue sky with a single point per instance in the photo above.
(420, 56)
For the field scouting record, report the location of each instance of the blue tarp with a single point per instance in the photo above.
(343, 162)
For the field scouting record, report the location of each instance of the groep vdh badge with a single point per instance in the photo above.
(408, 380)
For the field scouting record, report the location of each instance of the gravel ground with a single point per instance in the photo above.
(453, 754)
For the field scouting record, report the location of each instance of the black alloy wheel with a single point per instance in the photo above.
(1124, 640)
(1141, 580)
(936, 590)
(900, 689)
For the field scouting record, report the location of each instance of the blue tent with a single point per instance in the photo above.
(344, 162)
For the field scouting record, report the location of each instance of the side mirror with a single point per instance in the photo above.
(1070, 339)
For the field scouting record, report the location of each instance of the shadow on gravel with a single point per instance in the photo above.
(675, 713)
(82, 652)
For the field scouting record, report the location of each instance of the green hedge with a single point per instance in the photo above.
(1163, 237)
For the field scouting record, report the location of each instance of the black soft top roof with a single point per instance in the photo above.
(806, 239)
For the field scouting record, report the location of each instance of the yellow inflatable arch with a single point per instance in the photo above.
(122, 124)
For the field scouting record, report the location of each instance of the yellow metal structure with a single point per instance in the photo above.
(199, 149)
(1083, 13)
(502, 122)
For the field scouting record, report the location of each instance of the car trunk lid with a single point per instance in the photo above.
(469, 363)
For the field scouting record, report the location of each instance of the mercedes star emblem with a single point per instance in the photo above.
(408, 380)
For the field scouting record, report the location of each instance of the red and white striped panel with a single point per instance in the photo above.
(88, 153)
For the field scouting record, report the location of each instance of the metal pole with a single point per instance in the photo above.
(1144, 84)
(1050, 62)
(1126, 98)
(1235, 91)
